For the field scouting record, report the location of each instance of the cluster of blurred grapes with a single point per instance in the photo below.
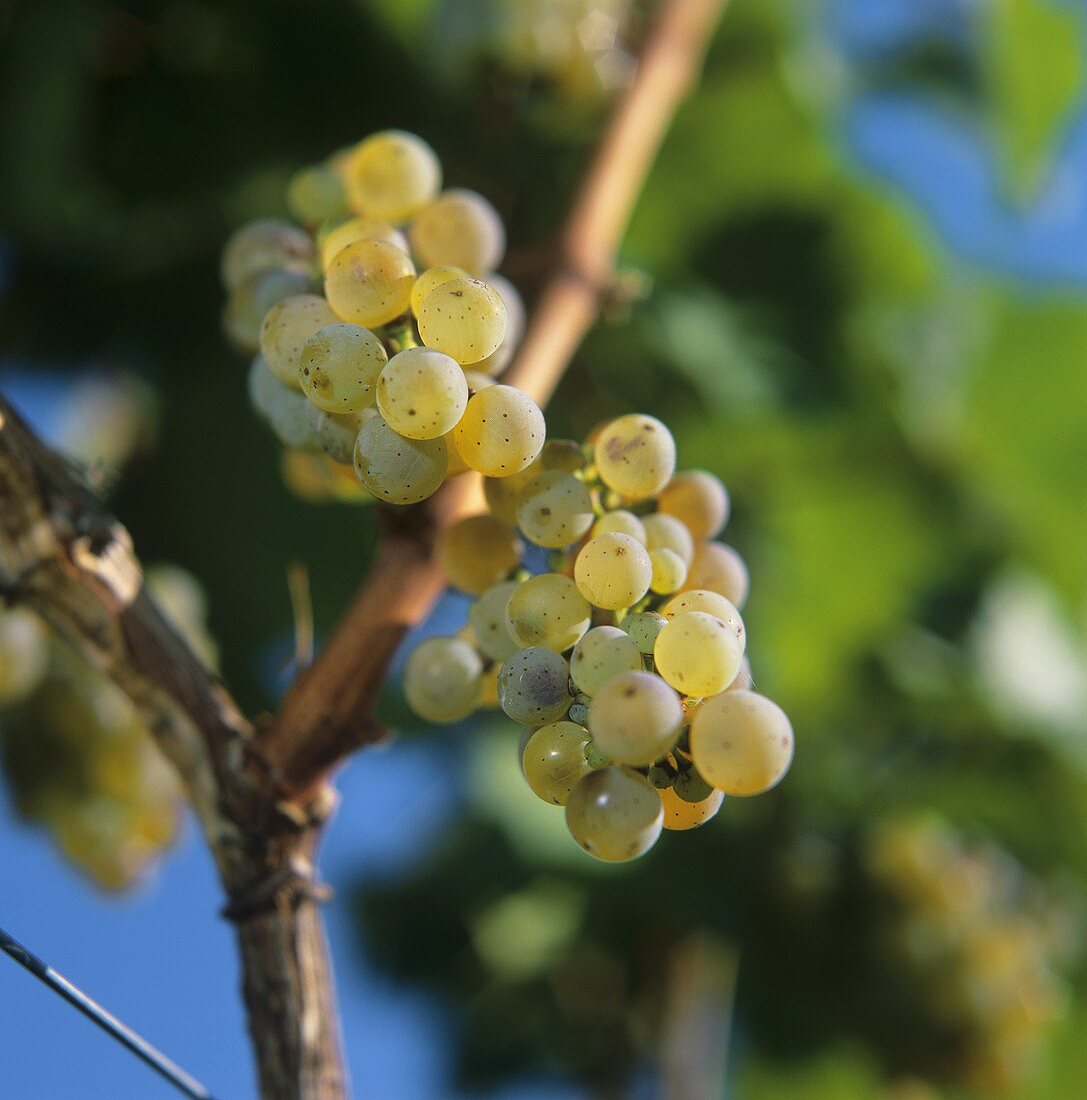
(79, 758)
(626, 660)
(380, 325)
(984, 942)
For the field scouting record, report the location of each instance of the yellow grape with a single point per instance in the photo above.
(563, 455)
(600, 655)
(668, 533)
(369, 283)
(741, 742)
(635, 456)
(613, 571)
(477, 381)
(554, 509)
(501, 432)
(615, 814)
(698, 500)
(290, 416)
(669, 571)
(477, 552)
(340, 366)
(259, 247)
(358, 229)
(635, 718)
(698, 654)
(429, 279)
(680, 814)
(719, 568)
(464, 317)
(502, 493)
(620, 522)
(553, 761)
(338, 432)
(461, 228)
(547, 610)
(743, 679)
(499, 359)
(712, 603)
(487, 617)
(534, 686)
(399, 470)
(443, 679)
(251, 300)
(285, 330)
(422, 393)
(391, 175)
(316, 193)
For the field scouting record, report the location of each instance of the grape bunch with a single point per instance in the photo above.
(627, 659)
(379, 325)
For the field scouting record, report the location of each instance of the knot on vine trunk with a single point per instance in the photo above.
(286, 886)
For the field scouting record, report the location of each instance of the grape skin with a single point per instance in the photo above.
(286, 328)
(680, 815)
(699, 500)
(339, 367)
(358, 229)
(613, 571)
(422, 393)
(643, 627)
(554, 509)
(603, 653)
(615, 814)
(635, 456)
(718, 567)
(429, 279)
(478, 552)
(464, 317)
(262, 246)
(635, 718)
(502, 431)
(250, 302)
(487, 617)
(698, 654)
(498, 360)
(460, 228)
(548, 610)
(741, 742)
(338, 433)
(553, 761)
(443, 679)
(712, 603)
(534, 686)
(620, 522)
(669, 571)
(369, 283)
(668, 533)
(315, 193)
(391, 175)
(399, 470)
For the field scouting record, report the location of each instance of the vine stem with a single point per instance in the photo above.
(260, 794)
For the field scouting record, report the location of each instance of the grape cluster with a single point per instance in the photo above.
(627, 659)
(380, 326)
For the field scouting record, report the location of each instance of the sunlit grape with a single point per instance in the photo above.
(399, 470)
(487, 617)
(554, 509)
(478, 552)
(620, 522)
(285, 330)
(369, 283)
(635, 718)
(350, 230)
(548, 610)
(429, 279)
(391, 175)
(680, 814)
(464, 317)
(499, 359)
(501, 432)
(613, 571)
(741, 742)
(502, 493)
(669, 571)
(290, 416)
(460, 228)
(534, 686)
(316, 193)
(668, 533)
(719, 568)
(553, 761)
(643, 627)
(338, 432)
(698, 654)
(562, 455)
(614, 814)
(443, 679)
(712, 603)
(251, 300)
(635, 456)
(422, 393)
(600, 655)
(259, 247)
(699, 500)
(339, 367)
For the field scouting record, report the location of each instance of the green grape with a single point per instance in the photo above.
(477, 382)
(635, 456)
(260, 247)
(422, 393)
(285, 330)
(669, 571)
(548, 610)
(562, 455)
(487, 617)
(429, 279)
(464, 317)
(443, 679)
(698, 500)
(600, 655)
(554, 509)
(635, 718)
(399, 470)
(613, 571)
(501, 432)
(499, 359)
(460, 228)
(502, 493)
(338, 432)
(741, 742)
(553, 761)
(719, 568)
(614, 814)
(339, 367)
(478, 552)
(24, 654)
(391, 175)
(290, 416)
(668, 533)
(680, 814)
(690, 786)
(316, 193)
(579, 712)
(369, 283)
(643, 627)
(620, 522)
(534, 686)
(351, 230)
(250, 301)
(698, 654)
(712, 603)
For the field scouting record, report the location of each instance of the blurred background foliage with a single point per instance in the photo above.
(900, 416)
